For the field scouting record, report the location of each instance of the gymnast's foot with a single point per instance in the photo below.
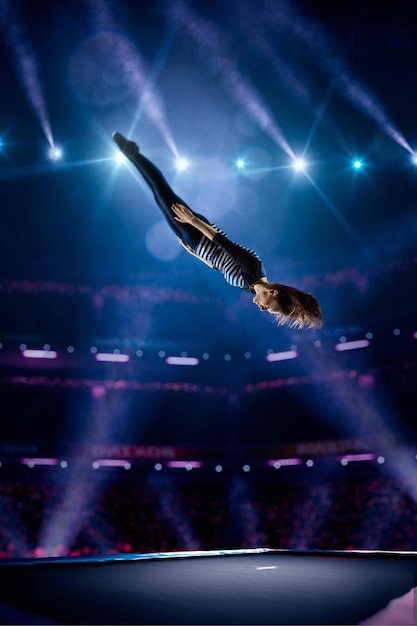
(129, 148)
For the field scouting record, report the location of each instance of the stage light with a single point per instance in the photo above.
(39, 354)
(187, 465)
(348, 458)
(281, 356)
(299, 165)
(352, 345)
(55, 153)
(277, 463)
(182, 164)
(413, 158)
(240, 163)
(181, 360)
(357, 164)
(112, 357)
(38, 461)
(119, 157)
(111, 463)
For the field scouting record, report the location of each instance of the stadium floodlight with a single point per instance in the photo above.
(299, 165)
(55, 153)
(182, 164)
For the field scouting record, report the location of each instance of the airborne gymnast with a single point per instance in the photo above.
(240, 266)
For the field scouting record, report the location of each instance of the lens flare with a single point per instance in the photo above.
(26, 64)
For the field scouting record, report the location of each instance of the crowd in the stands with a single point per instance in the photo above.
(42, 516)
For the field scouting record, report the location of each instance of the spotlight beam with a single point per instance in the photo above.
(215, 54)
(173, 514)
(294, 82)
(358, 95)
(152, 80)
(78, 499)
(291, 22)
(135, 72)
(26, 65)
(319, 116)
(356, 410)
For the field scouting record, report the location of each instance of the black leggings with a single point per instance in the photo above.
(165, 197)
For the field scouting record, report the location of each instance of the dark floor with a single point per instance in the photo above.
(253, 587)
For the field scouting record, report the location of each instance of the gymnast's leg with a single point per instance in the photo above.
(163, 193)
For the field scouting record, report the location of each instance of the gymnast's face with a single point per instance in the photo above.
(266, 300)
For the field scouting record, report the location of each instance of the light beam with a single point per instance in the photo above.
(134, 72)
(288, 20)
(26, 64)
(209, 41)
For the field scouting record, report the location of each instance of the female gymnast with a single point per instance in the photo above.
(240, 266)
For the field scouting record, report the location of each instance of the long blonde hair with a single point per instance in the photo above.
(295, 308)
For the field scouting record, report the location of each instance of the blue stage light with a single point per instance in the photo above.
(120, 157)
(413, 158)
(240, 163)
(55, 153)
(299, 165)
(182, 164)
(357, 164)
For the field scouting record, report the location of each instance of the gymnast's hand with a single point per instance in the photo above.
(183, 214)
